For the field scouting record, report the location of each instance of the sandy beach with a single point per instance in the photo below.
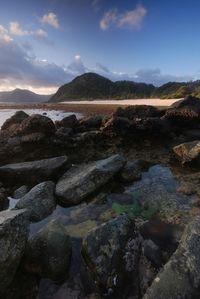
(89, 108)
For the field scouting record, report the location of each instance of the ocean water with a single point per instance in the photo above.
(53, 114)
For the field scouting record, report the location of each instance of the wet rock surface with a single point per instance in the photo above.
(39, 201)
(13, 236)
(48, 252)
(112, 225)
(81, 181)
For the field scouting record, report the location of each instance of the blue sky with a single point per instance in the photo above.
(46, 43)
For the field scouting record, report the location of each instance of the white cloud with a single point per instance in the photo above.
(4, 36)
(131, 19)
(16, 29)
(50, 19)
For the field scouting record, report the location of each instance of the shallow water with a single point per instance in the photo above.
(53, 114)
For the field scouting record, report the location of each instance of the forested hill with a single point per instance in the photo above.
(92, 86)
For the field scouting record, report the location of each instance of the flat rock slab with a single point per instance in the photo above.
(33, 172)
(14, 226)
(82, 180)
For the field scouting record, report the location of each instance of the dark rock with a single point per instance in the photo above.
(110, 253)
(81, 181)
(132, 171)
(68, 122)
(152, 253)
(183, 117)
(180, 277)
(20, 192)
(137, 111)
(34, 172)
(188, 102)
(17, 118)
(118, 125)
(13, 236)
(37, 123)
(48, 252)
(93, 122)
(188, 152)
(39, 201)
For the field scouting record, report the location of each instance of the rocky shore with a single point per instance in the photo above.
(106, 206)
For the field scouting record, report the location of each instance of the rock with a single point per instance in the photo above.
(33, 172)
(4, 202)
(152, 253)
(48, 252)
(37, 123)
(82, 180)
(20, 192)
(17, 118)
(93, 122)
(110, 253)
(13, 236)
(68, 122)
(188, 152)
(132, 171)
(188, 102)
(93, 296)
(137, 111)
(39, 201)
(119, 125)
(151, 127)
(183, 117)
(180, 277)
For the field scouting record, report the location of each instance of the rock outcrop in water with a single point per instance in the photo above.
(134, 208)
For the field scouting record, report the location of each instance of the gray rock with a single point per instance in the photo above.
(13, 236)
(39, 201)
(188, 152)
(132, 171)
(20, 192)
(92, 122)
(180, 277)
(33, 172)
(17, 118)
(68, 122)
(110, 253)
(48, 252)
(37, 123)
(152, 252)
(81, 181)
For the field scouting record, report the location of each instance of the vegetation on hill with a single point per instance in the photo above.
(92, 86)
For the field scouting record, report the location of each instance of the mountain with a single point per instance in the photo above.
(22, 96)
(91, 86)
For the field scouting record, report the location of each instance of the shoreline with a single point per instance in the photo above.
(87, 108)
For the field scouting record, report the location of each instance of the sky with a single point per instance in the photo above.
(46, 43)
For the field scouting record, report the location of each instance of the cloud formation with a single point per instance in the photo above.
(131, 19)
(50, 19)
(4, 35)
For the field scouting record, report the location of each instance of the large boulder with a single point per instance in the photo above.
(17, 118)
(188, 152)
(37, 123)
(34, 172)
(48, 252)
(93, 122)
(118, 125)
(68, 122)
(39, 201)
(82, 180)
(132, 171)
(13, 236)
(110, 253)
(188, 102)
(180, 277)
